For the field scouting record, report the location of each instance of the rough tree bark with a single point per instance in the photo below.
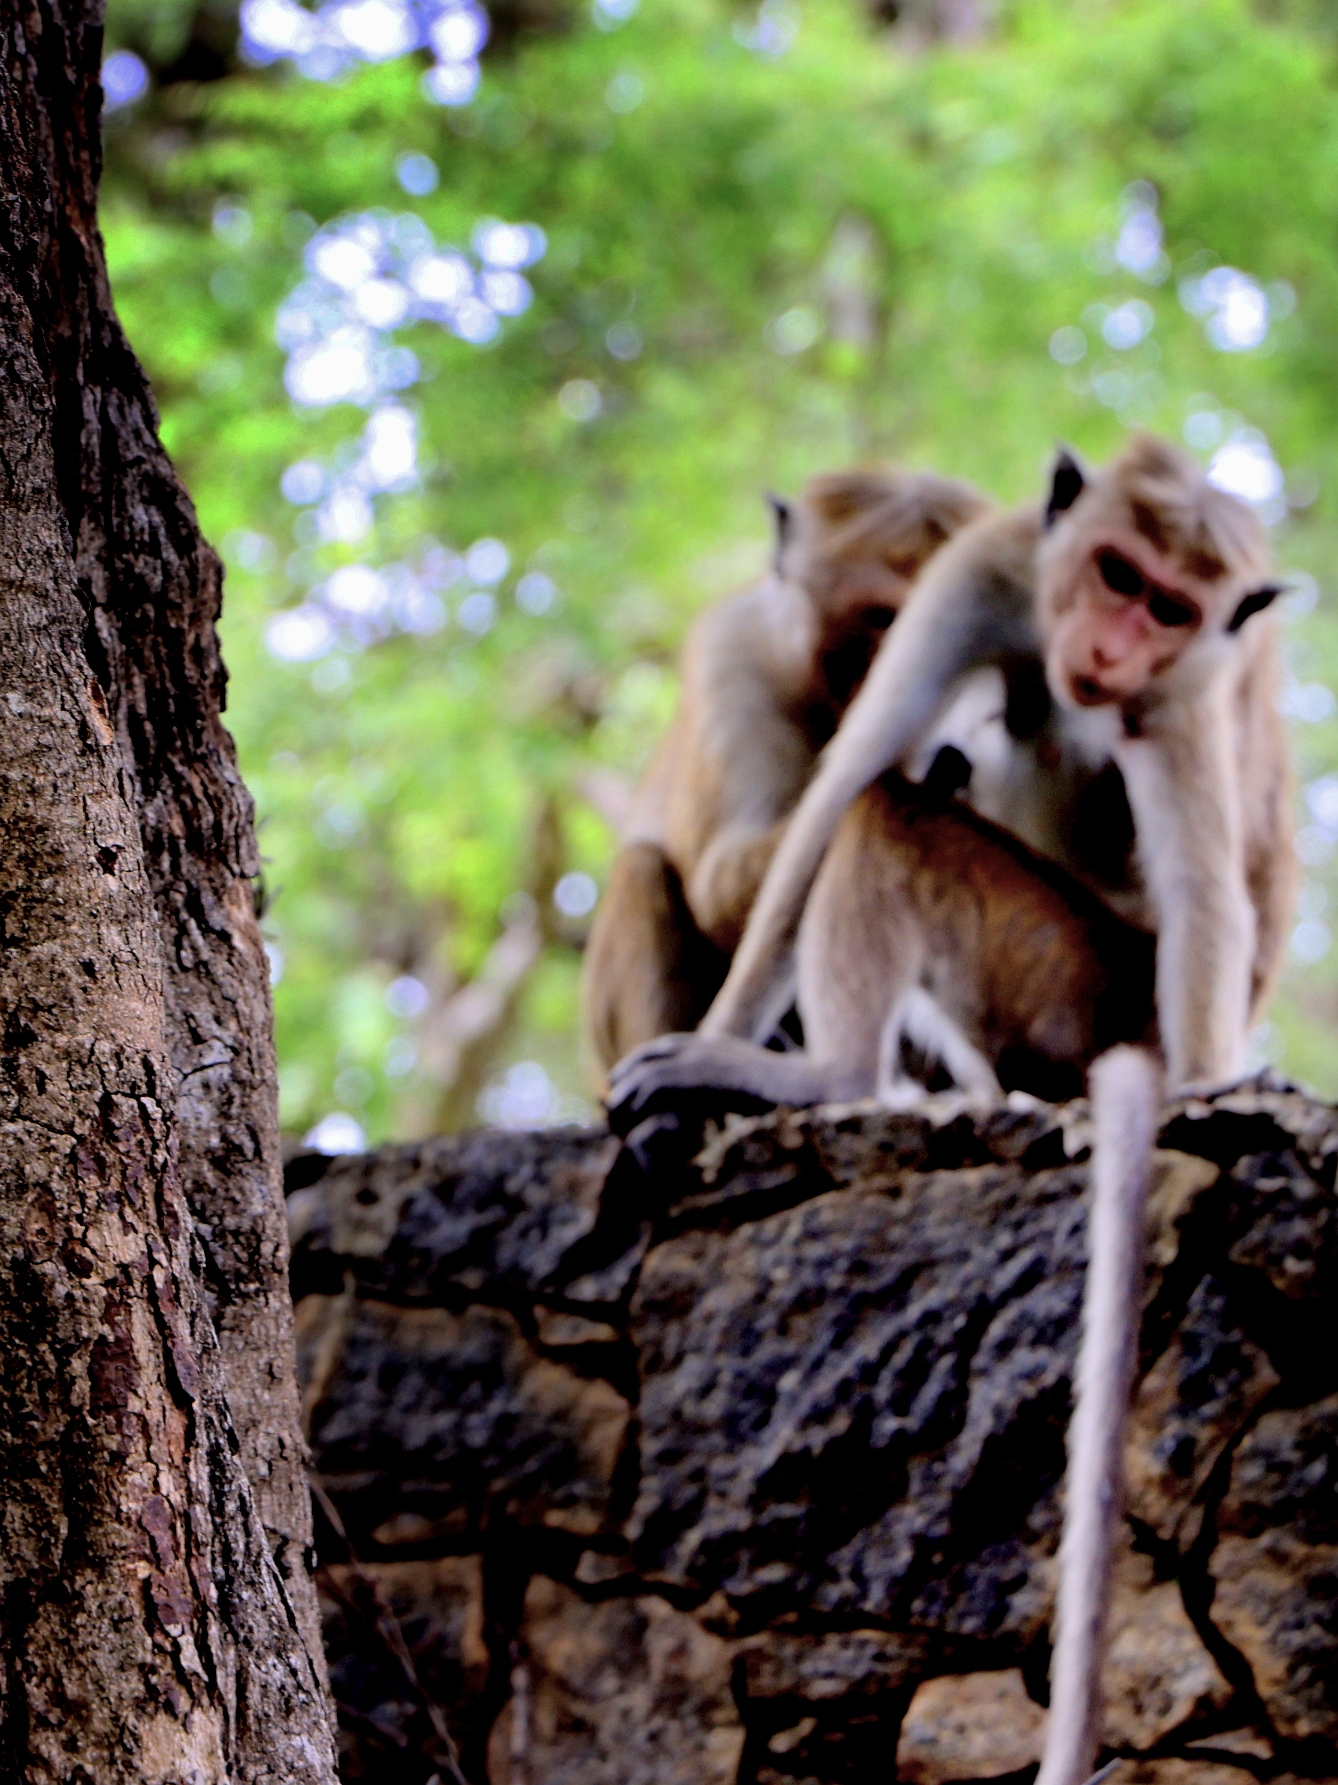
(150, 1457)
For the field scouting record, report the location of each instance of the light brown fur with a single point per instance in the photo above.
(1182, 708)
(766, 676)
(930, 926)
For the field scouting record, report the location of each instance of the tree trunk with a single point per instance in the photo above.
(150, 1457)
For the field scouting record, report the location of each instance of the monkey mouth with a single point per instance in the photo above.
(1088, 692)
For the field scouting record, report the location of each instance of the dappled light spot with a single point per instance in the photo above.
(451, 83)
(370, 275)
(1138, 247)
(1244, 466)
(477, 613)
(1311, 941)
(1308, 703)
(1203, 429)
(576, 894)
(417, 174)
(624, 92)
(300, 634)
(535, 593)
(1127, 324)
(232, 223)
(124, 80)
(337, 1133)
(773, 31)
(487, 561)
(303, 482)
(579, 400)
(1233, 308)
(794, 330)
(524, 1096)
(624, 341)
(357, 590)
(609, 14)
(406, 996)
(325, 42)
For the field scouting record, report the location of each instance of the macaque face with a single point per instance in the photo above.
(866, 596)
(1131, 615)
(854, 612)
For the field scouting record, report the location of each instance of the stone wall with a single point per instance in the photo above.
(734, 1454)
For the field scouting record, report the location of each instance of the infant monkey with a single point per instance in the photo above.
(766, 677)
(934, 932)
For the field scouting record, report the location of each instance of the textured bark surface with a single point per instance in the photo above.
(746, 1443)
(144, 1631)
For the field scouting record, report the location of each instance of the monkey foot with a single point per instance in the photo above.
(659, 1073)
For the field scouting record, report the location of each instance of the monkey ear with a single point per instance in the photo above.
(782, 515)
(1066, 485)
(1253, 603)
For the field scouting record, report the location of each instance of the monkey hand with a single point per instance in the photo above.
(672, 1071)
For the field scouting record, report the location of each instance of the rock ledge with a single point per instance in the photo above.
(733, 1454)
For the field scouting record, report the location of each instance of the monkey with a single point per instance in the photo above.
(931, 931)
(1126, 1086)
(931, 925)
(1120, 614)
(766, 675)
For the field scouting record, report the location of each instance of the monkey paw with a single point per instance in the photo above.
(676, 1070)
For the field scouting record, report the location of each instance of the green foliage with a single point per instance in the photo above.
(957, 205)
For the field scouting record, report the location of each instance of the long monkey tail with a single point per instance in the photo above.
(1126, 1086)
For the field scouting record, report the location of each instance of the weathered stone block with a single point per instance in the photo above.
(509, 1212)
(1192, 1403)
(438, 1606)
(1276, 1566)
(859, 1404)
(629, 1692)
(969, 1726)
(836, 1664)
(1158, 1674)
(437, 1422)
(847, 1337)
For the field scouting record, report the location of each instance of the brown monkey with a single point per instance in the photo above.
(930, 930)
(766, 676)
(931, 926)
(1120, 615)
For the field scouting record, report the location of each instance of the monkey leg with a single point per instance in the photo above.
(920, 1019)
(723, 885)
(859, 952)
(648, 969)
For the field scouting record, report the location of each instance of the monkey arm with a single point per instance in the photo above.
(1185, 799)
(724, 883)
(970, 607)
(647, 969)
(1265, 778)
(740, 757)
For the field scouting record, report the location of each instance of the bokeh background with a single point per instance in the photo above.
(478, 336)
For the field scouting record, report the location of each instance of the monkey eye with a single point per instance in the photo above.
(1167, 611)
(880, 618)
(1119, 575)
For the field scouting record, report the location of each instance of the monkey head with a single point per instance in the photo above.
(1146, 570)
(854, 542)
